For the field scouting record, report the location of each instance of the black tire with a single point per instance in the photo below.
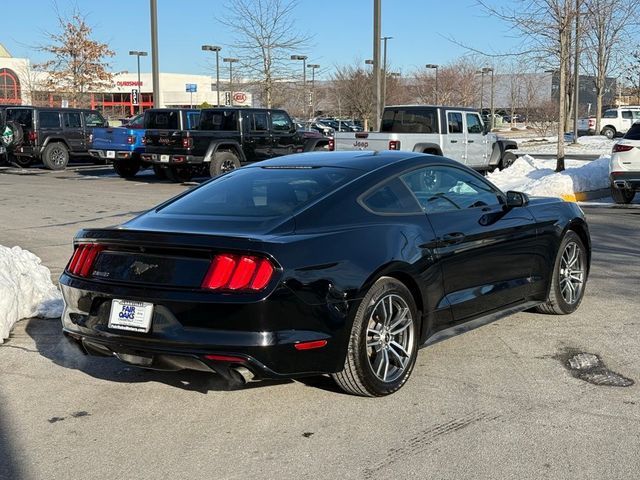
(622, 195)
(507, 160)
(321, 148)
(179, 174)
(55, 156)
(359, 376)
(160, 172)
(223, 162)
(557, 303)
(609, 132)
(21, 161)
(126, 168)
(16, 137)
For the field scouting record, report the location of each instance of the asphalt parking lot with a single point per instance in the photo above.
(494, 403)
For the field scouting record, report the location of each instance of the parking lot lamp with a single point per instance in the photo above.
(139, 54)
(384, 72)
(215, 48)
(313, 67)
(304, 79)
(434, 66)
(230, 61)
(155, 65)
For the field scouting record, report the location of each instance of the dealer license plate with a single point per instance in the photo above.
(164, 158)
(130, 315)
(111, 154)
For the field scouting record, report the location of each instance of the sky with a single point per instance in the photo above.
(341, 31)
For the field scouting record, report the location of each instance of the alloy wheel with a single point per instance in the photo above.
(571, 273)
(57, 155)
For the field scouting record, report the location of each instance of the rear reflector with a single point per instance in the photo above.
(622, 148)
(332, 144)
(83, 258)
(394, 144)
(310, 345)
(238, 273)
(225, 358)
(131, 139)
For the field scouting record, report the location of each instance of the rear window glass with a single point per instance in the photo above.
(193, 120)
(261, 192)
(22, 116)
(409, 121)
(634, 132)
(162, 120)
(49, 119)
(226, 120)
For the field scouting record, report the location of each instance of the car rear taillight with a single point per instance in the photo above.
(91, 138)
(238, 273)
(187, 142)
(33, 136)
(592, 123)
(332, 145)
(131, 139)
(144, 140)
(622, 148)
(83, 258)
(394, 144)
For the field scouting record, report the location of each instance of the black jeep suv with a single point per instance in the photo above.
(52, 134)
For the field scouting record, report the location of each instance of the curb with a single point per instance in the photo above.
(585, 196)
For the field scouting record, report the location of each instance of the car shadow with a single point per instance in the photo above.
(10, 467)
(53, 345)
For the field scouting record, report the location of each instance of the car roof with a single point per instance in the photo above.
(359, 160)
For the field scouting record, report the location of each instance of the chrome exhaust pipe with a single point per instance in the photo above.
(621, 184)
(244, 373)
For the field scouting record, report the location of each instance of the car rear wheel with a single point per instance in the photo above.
(608, 132)
(223, 162)
(622, 195)
(507, 160)
(179, 174)
(160, 172)
(383, 345)
(126, 169)
(20, 160)
(569, 277)
(55, 156)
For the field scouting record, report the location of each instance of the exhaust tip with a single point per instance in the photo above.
(245, 374)
(622, 184)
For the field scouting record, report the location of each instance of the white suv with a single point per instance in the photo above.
(624, 168)
(614, 121)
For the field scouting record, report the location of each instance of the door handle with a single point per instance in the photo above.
(453, 238)
(454, 141)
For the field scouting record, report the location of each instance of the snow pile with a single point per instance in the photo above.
(538, 177)
(588, 144)
(26, 289)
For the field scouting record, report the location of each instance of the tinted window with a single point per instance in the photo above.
(454, 122)
(224, 120)
(280, 122)
(259, 122)
(610, 114)
(22, 116)
(49, 120)
(473, 123)
(392, 197)
(260, 192)
(193, 120)
(442, 189)
(627, 114)
(162, 119)
(72, 120)
(634, 132)
(94, 119)
(136, 122)
(636, 114)
(409, 121)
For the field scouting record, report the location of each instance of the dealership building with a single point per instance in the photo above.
(127, 94)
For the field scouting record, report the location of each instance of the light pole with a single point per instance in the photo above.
(481, 72)
(230, 61)
(215, 48)
(433, 65)
(377, 26)
(304, 79)
(384, 72)
(313, 67)
(155, 67)
(489, 70)
(139, 54)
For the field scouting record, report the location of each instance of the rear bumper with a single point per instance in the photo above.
(27, 151)
(259, 335)
(172, 159)
(111, 155)
(626, 180)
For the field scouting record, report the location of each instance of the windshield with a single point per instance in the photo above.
(261, 192)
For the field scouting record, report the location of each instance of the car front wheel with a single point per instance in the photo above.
(383, 345)
(126, 169)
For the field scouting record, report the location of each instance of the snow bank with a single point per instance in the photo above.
(26, 289)
(538, 177)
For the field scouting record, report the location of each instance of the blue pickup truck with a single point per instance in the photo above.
(122, 146)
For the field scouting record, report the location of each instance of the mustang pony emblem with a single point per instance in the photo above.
(139, 267)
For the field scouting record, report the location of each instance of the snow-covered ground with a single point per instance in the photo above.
(26, 289)
(590, 144)
(538, 177)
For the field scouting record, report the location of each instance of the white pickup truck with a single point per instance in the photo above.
(454, 132)
(614, 121)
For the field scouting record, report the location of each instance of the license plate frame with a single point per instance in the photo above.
(164, 158)
(111, 154)
(130, 315)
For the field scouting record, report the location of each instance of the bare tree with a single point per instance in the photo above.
(632, 72)
(607, 23)
(78, 64)
(265, 38)
(457, 84)
(352, 92)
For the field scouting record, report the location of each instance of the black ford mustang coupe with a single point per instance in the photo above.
(338, 263)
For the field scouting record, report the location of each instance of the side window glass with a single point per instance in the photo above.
(636, 114)
(259, 123)
(473, 123)
(93, 119)
(49, 120)
(443, 189)
(627, 114)
(280, 122)
(391, 198)
(454, 120)
(72, 120)
(610, 114)
(193, 119)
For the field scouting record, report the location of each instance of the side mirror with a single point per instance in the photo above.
(516, 199)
